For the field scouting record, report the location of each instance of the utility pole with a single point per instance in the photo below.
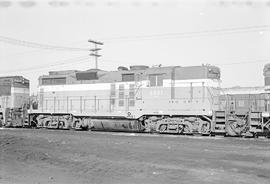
(94, 52)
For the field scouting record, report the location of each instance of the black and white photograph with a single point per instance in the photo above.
(134, 91)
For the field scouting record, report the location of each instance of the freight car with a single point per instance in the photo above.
(250, 105)
(266, 115)
(244, 99)
(14, 95)
(266, 73)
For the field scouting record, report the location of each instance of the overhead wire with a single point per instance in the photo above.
(71, 61)
(42, 67)
(37, 50)
(242, 62)
(24, 73)
(189, 34)
(24, 43)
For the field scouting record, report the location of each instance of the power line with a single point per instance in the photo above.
(45, 69)
(72, 61)
(224, 31)
(61, 63)
(243, 62)
(24, 43)
(36, 50)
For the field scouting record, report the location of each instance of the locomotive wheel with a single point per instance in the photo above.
(180, 129)
(231, 129)
(187, 129)
(162, 128)
(46, 124)
(74, 124)
(205, 128)
(40, 123)
(61, 125)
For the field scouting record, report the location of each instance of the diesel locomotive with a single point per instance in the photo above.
(163, 99)
(14, 95)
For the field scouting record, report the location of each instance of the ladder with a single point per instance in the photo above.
(255, 123)
(218, 123)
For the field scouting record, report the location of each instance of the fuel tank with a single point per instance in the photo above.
(124, 125)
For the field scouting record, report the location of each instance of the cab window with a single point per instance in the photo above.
(156, 80)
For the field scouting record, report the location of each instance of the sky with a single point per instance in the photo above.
(231, 34)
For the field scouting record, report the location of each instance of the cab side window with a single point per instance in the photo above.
(156, 80)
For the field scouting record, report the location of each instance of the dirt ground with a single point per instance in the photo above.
(54, 156)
